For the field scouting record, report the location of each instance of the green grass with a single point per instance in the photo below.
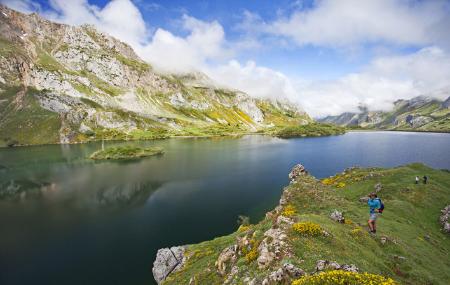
(410, 221)
(309, 130)
(26, 122)
(125, 153)
(139, 66)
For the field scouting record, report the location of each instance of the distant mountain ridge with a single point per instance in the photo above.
(421, 113)
(64, 84)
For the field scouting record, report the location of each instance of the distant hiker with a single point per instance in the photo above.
(425, 179)
(374, 205)
(417, 179)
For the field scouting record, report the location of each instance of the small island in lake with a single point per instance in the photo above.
(125, 152)
(309, 130)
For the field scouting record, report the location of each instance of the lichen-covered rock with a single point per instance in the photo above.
(272, 247)
(297, 170)
(226, 259)
(283, 275)
(322, 265)
(168, 260)
(445, 219)
(337, 216)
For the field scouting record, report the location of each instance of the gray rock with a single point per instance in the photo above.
(297, 170)
(322, 265)
(337, 216)
(378, 187)
(167, 260)
(444, 219)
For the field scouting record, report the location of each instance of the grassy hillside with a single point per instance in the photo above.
(409, 246)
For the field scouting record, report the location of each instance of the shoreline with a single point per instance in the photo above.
(220, 136)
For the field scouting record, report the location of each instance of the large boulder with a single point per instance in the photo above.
(167, 260)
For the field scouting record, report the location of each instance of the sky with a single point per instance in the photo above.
(330, 56)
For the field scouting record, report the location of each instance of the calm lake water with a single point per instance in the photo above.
(84, 222)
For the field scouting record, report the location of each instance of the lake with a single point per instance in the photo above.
(68, 220)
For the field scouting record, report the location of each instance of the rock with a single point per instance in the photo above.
(297, 170)
(283, 275)
(383, 240)
(419, 121)
(378, 187)
(167, 260)
(322, 265)
(228, 256)
(350, 268)
(445, 219)
(337, 216)
(284, 221)
(272, 247)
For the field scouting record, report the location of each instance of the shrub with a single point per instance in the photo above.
(251, 253)
(340, 185)
(344, 277)
(243, 228)
(308, 229)
(357, 232)
(289, 211)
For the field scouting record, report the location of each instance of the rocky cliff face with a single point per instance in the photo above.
(76, 84)
(420, 113)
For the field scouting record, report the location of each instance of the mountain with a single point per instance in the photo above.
(65, 84)
(318, 235)
(421, 113)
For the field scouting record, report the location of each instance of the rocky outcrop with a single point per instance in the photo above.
(445, 219)
(283, 275)
(323, 265)
(297, 170)
(168, 260)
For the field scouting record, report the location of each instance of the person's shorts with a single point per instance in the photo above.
(373, 216)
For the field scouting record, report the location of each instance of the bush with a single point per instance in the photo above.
(344, 277)
(307, 229)
(289, 211)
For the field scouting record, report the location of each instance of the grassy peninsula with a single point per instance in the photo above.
(409, 247)
(125, 153)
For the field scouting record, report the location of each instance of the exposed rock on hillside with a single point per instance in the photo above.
(63, 79)
(445, 219)
(421, 113)
(168, 260)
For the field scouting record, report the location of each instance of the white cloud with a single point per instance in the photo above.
(354, 22)
(24, 6)
(255, 80)
(205, 48)
(385, 80)
(119, 18)
(205, 42)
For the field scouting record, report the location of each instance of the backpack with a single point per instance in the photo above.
(381, 209)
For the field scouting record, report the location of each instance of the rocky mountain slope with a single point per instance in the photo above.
(61, 84)
(419, 114)
(318, 235)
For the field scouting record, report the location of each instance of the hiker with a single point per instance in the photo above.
(417, 179)
(374, 206)
(425, 179)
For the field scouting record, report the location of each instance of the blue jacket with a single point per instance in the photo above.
(373, 204)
